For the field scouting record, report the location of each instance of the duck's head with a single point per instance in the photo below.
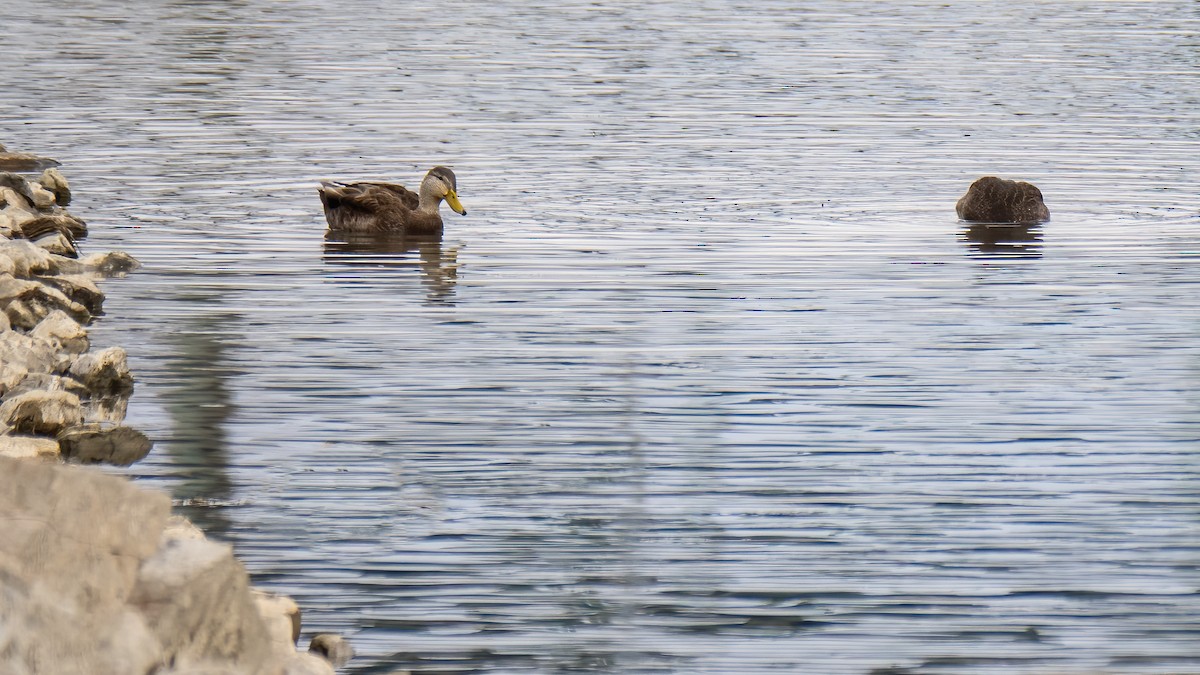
(440, 183)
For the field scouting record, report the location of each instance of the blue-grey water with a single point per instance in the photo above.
(710, 379)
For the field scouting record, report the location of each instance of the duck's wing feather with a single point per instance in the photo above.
(372, 196)
(369, 207)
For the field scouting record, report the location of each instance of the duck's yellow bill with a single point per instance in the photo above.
(452, 200)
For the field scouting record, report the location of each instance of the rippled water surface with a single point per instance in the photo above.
(710, 379)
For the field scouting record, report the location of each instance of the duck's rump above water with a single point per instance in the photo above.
(996, 200)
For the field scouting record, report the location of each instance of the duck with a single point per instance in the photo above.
(367, 207)
(996, 200)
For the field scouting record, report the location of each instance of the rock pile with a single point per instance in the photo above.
(96, 576)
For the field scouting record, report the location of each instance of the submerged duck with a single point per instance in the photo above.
(995, 200)
(387, 207)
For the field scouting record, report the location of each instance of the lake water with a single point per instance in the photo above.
(710, 379)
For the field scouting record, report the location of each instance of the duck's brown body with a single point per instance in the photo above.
(995, 200)
(386, 207)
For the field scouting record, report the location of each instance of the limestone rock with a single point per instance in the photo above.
(42, 413)
(15, 205)
(104, 373)
(332, 647)
(281, 616)
(196, 599)
(69, 557)
(179, 527)
(301, 663)
(46, 382)
(28, 302)
(27, 258)
(28, 447)
(58, 326)
(80, 289)
(55, 221)
(95, 443)
(22, 354)
(55, 182)
(58, 244)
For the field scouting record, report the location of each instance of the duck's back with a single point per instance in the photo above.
(369, 207)
(995, 200)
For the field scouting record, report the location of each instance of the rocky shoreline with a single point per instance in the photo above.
(96, 575)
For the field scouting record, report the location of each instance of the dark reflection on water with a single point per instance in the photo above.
(368, 256)
(711, 380)
(200, 405)
(1004, 241)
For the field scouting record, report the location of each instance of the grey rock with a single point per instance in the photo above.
(111, 444)
(69, 557)
(196, 598)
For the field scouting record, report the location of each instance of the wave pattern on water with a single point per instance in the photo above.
(710, 380)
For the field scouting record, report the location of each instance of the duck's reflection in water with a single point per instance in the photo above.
(200, 404)
(995, 240)
(369, 254)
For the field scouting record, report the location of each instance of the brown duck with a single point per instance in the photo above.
(386, 207)
(995, 200)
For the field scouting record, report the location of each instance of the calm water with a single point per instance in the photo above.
(710, 380)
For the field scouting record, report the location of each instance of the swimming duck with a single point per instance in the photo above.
(995, 200)
(387, 207)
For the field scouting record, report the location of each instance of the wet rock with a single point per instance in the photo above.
(73, 541)
(281, 616)
(111, 264)
(111, 409)
(196, 598)
(28, 447)
(80, 289)
(995, 200)
(22, 161)
(104, 373)
(55, 182)
(57, 325)
(41, 413)
(332, 647)
(111, 444)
